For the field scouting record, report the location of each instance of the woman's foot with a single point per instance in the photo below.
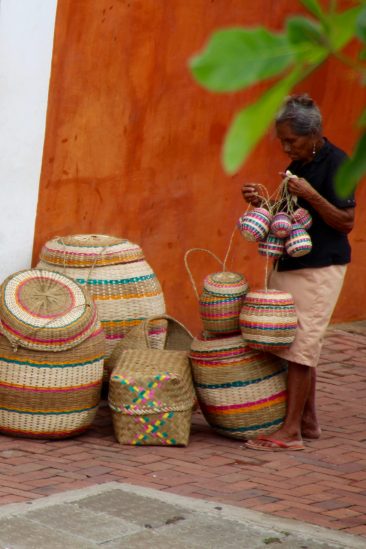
(310, 427)
(280, 440)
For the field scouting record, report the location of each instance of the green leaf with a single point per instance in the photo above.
(309, 41)
(351, 172)
(361, 25)
(314, 7)
(342, 27)
(237, 58)
(362, 120)
(251, 123)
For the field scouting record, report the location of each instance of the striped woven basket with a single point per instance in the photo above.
(268, 320)
(151, 392)
(242, 392)
(122, 283)
(51, 356)
(221, 299)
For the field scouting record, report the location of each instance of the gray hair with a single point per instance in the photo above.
(302, 113)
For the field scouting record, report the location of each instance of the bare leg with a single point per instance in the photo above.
(310, 427)
(298, 389)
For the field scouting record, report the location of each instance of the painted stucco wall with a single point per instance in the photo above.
(26, 37)
(133, 144)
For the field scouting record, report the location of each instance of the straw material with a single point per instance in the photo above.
(302, 217)
(242, 392)
(50, 394)
(176, 338)
(44, 310)
(273, 246)
(221, 302)
(268, 320)
(151, 392)
(121, 282)
(255, 224)
(281, 225)
(299, 242)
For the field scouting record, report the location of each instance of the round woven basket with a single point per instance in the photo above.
(51, 356)
(268, 320)
(272, 246)
(221, 301)
(302, 217)
(281, 224)
(242, 392)
(255, 224)
(117, 276)
(299, 242)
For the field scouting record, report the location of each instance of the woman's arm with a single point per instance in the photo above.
(341, 219)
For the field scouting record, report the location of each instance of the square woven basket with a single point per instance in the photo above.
(151, 394)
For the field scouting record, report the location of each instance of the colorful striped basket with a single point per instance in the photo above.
(268, 320)
(151, 392)
(122, 283)
(254, 225)
(281, 225)
(221, 299)
(242, 392)
(302, 217)
(299, 242)
(272, 246)
(51, 356)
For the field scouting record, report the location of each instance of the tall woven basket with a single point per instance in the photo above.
(115, 272)
(51, 356)
(268, 320)
(242, 392)
(151, 392)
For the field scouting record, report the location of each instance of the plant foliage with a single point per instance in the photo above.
(237, 58)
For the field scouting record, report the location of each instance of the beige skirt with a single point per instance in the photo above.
(315, 292)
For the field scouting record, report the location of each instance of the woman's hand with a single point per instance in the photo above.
(252, 194)
(299, 187)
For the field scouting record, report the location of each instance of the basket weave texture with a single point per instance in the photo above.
(268, 320)
(117, 276)
(49, 391)
(151, 392)
(242, 392)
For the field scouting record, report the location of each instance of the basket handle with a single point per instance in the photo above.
(188, 269)
(178, 337)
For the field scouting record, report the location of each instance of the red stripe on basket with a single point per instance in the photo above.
(273, 399)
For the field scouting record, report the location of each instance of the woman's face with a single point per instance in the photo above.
(297, 147)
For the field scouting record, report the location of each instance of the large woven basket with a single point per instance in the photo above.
(51, 356)
(116, 274)
(268, 320)
(242, 392)
(151, 392)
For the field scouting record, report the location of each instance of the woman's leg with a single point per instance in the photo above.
(310, 427)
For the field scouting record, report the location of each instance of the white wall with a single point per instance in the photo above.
(26, 38)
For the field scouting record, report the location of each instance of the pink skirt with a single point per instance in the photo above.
(315, 292)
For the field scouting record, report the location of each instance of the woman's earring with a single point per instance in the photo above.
(314, 149)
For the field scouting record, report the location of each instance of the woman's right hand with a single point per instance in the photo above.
(252, 194)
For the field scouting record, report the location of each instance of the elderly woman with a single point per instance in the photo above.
(314, 280)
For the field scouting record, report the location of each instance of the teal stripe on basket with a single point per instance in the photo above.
(239, 383)
(61, 413)
(32, 365)
(249, 428)
(94, 281)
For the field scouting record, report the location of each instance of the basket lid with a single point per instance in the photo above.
(45, 310)
(90, 250)
(220, 348)
(226, 283)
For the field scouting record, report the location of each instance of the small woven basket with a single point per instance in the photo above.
(254, 225)
(272, 246)
(51, 356)
(299, 242)
(242, 392)
(151, 392)
(221, 299)
(302, 217)
(268, 320)
(281, 224)
(117, 276)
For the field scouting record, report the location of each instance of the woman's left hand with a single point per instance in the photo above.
(300, 187)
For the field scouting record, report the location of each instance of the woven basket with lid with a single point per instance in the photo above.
(51, 356)
(121, 282)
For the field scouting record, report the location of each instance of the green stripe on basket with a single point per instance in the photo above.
(248, 428)
(53, 365)
(239, 383)
(94, 281)
(61, 413)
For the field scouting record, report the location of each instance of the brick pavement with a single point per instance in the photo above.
(324, 485)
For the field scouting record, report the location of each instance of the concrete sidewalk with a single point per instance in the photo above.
(118, 516)
(323, 486)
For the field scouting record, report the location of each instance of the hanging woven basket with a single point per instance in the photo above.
(272, 246)
(299, 242)
(255, 224)
(52, 351)
(281, 225)
(268, 320)
(221, 299)
(117, 276)
(242, 392)
(302, 217)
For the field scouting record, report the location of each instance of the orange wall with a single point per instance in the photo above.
(133, 144)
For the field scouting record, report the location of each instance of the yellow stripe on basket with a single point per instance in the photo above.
(249, 409)
(108, 297)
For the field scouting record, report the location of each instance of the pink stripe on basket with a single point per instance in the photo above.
(249, 404)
